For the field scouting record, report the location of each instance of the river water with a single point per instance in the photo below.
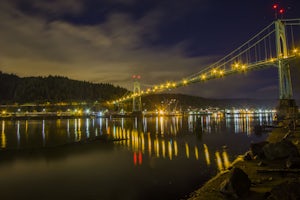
(124, 158)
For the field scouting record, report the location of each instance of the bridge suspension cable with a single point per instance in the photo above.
(258, 52)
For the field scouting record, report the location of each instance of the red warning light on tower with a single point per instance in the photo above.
(281, 11)
(278, 10)
(136, 76)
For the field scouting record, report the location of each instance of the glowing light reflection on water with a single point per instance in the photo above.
(142, 157)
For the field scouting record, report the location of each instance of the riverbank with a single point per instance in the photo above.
(261, 173)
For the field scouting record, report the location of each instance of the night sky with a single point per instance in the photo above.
(107, 41)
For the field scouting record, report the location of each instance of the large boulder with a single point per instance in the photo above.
(237, 184)
(280, 150)
(257, 149)
(288, 190)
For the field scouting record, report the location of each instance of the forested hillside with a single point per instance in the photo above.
(184, 102)
(53, 89)
(14, 89)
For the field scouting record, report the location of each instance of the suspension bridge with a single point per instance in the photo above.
(274, 46)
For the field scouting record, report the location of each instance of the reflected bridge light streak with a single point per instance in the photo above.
(161, 120)
(175, 148)
(134, 158)
(87, 127)
(206, 153)
(43, 132)
(196, 153)
(156, 147)
(129, 141)
(3, 136)
(140, 158)
(137, 158)
(170, 150)
(26, 128)
(143, 142)
(149, 144)
(187, 150)
(124, 134)
(219, 161)
(68, 128)
(226, 161)
(163, 148)
(18, 133)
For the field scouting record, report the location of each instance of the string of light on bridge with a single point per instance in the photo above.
(258, 52)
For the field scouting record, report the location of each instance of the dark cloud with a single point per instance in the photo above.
(58, 7)
(160, 40)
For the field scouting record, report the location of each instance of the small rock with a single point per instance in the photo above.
(293, 162)
(248, 155)
(261, 164)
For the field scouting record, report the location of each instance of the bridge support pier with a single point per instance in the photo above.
(287, 107)
(137, 100)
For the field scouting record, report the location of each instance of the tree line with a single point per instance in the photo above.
(15, 89)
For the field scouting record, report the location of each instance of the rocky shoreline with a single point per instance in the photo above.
(270, 170)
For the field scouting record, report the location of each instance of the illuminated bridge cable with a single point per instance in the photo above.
(240, 47)
(214, 65)
(230, 60)
(270, 46)
(292, 35)
(256, 53)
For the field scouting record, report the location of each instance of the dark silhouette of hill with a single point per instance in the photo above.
(14, 89)
(53, 89)
(156, 101)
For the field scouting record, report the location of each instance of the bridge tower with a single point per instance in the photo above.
(136, 100)
(287, 105)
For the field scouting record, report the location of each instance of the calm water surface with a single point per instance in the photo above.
(160, 158)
